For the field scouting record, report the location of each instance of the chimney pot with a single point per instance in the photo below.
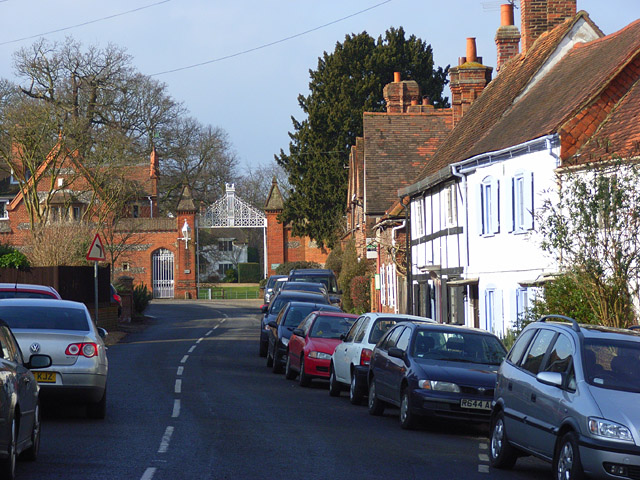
(426, 100)
(471, 50)
(506, 14)
(396, 77)
(414, 102)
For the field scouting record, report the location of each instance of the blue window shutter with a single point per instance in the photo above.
(528, 199)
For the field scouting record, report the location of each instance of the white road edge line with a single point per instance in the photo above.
(166, 438)
(208, 333)
(184, 359)
(176, 408)
(180, 370)
(148, 473)
(178, 388)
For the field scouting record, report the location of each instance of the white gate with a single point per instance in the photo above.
(162, 274)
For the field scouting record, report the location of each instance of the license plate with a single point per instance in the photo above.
(45, 377)
(476, 404)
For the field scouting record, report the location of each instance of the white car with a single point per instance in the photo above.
(350, 361)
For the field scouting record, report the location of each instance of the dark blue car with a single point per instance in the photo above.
(440, 370)
(271, 311)
(280, 330)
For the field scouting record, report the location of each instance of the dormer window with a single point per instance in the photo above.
(4, 215)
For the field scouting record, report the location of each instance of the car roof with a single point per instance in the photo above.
(302, 271)
(326, 313)
(40, 302)
(27, 286)
(593, 331)
(319, 304)
(299, 294)
(448, 327)
(398, 316)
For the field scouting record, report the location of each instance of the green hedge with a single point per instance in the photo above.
(249, 272)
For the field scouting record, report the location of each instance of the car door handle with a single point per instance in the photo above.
(533, 397)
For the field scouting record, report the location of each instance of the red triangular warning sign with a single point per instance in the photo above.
(96, 252)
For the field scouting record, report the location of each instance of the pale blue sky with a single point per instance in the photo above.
(253, 95)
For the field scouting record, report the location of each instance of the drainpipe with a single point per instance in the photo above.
(151, 203)
(463, 179)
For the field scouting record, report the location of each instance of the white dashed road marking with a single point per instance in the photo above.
(178, 388)
(148, 473)
(176, 409)
(192, 349)
(180, 370)
(166, 438)
(184, 359)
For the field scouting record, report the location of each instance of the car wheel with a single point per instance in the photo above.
(334, 386)
(98, 410)
(31, 453)
(277, 360)
(407, 417)
(263, 348)
(8, 464)
(355, 391)
(269, 357)
(304, 380)
(289, 373)
(376, 406)
(566, 462)
(501, 453)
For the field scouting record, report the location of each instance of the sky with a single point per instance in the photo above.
(240, 65)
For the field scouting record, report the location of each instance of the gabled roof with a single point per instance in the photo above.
(274, 199)
(396, 147)
(498, 98)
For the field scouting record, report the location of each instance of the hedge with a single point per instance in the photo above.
(249, 272)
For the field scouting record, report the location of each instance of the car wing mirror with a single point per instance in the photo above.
(550, 378)
(273, 324)
(298, 332)
(102, 332)
(38, 361)
(396, 353)
(264, 308)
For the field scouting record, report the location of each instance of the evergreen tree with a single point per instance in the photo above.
(346, 83)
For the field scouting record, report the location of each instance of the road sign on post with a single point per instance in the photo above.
(97, 254)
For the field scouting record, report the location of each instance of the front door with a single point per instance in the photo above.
(162, 274)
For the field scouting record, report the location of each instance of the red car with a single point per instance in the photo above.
(313, 343)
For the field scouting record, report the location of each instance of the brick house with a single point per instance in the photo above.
(395, 146)
(150, 250)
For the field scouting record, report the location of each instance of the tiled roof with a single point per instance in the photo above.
(274, 199)
(558, 96)
(396, 147)
(496, 99)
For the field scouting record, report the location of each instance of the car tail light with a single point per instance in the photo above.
(365, 356)
(117, 298)
(82, 349)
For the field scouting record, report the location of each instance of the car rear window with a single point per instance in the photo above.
(327, 326)
(19, 294)
(45, 318)
(612, 364)
(458, 346)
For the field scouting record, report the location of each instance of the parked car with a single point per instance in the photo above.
(318, 275)
(439, 370)
(19, 403)
(268, 288)
(569, 394)
(281, 328)
(313, 343)
(350, 361)
(63, 330)
(305, 287)
(271, 311)
(27, 290)
(116, 298)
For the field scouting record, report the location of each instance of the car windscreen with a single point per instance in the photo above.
(326, 326)
(326, 280)
(19, 294)
(380, 328)
(612, 364)
(458, 346)
(304, 287)
(297, 313)
(44, 318)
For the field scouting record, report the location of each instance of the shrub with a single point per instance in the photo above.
(248, 272)
(231, 276)
(12, 258)
(334, 260)
(361, 293)
(352, 267)
(141, 298)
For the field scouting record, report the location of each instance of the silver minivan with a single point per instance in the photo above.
(570, 394)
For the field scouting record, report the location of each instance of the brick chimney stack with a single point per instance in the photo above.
(467, 81)
(539, 16)
(400, 94)
(507, 36)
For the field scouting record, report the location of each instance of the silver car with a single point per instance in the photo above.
(64, 331)
(570, 394)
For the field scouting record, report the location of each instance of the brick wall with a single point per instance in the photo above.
(539, 16)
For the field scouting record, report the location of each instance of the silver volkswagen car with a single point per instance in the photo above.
(570, 394)
(64, 331)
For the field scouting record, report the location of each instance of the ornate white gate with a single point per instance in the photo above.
(231, 211)
(162, 273)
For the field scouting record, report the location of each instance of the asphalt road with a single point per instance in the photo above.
(189, 397)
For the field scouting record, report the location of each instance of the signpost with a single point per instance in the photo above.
(97, 254)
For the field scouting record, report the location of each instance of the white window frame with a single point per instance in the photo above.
(383, 286)
(4, 214)
(452, 206)
(489, 214)
(523, 296)
(490, 308)
(419, 217)
(522, 202)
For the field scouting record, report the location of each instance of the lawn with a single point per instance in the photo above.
(229, 292)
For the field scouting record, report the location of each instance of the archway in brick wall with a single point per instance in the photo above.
(231, 211)
(163, 283)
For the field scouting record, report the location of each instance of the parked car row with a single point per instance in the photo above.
(49, 348)
(565, 393)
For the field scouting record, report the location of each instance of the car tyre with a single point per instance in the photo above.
(356, 394)
(31, 453)
(276, 366)
(566, 461)
(289, 373)
(98, 410)
(501, 453)
(334, 386)
(408, 419)
(376, 406)
(304, 380)
(269, 357)
(8, 464)
(263, 348)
